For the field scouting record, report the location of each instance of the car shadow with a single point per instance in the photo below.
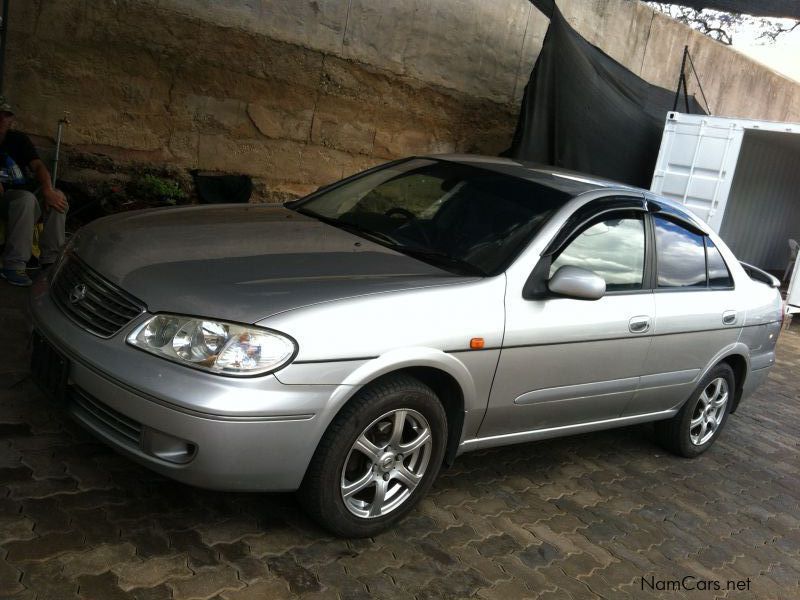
(151, 510)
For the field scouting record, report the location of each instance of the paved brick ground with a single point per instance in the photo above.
(581, 517)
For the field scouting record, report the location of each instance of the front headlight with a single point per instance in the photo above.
(214, 346)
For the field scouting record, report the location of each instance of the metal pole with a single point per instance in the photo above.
(681, 79)
(63, 121)
(686, 94)
(3, 36)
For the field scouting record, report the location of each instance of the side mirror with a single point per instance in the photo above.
(574, 282)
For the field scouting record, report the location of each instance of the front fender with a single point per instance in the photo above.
(390, 362)
(396, 360)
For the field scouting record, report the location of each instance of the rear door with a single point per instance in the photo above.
(567, 361)
(697, 314)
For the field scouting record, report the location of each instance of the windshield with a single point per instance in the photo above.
(458, 217)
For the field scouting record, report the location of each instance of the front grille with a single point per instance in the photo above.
(106, 419)
(87, 298)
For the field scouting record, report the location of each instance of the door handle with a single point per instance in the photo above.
(729, 317)
(639, 324)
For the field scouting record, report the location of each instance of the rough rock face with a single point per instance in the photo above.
(148, 85)
(298, 93)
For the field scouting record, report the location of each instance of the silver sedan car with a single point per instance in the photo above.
(349, 344)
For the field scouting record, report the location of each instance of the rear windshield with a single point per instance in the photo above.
(459, 217)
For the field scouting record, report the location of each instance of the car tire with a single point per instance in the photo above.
(701, 419)
(370, 444)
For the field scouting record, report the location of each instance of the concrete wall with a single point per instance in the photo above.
(299, 93)
(487, 49)
(472, 46)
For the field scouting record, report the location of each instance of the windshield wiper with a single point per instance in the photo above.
(439, 257)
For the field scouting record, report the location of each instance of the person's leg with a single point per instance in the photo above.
(52, 238)
(22, 210)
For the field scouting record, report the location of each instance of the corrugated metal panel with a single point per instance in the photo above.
(763, 208)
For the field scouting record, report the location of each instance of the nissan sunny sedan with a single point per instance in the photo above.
(349, 344)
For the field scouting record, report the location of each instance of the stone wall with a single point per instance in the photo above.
(300, 93)
(146, 84)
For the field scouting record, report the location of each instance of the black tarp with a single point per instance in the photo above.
(584, 111)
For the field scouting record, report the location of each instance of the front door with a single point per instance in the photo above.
(567, 361)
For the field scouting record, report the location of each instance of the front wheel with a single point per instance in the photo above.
(377, 459)
(692, 431)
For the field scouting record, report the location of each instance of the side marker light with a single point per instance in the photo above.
(476, 343)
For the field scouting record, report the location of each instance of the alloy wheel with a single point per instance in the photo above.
(386, 463)
(709, 411)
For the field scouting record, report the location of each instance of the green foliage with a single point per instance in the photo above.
(150, 188)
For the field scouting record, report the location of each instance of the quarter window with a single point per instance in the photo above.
(718, 274)
(681, 256)
(611, 248)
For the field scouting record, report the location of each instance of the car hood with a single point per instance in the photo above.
(242, 262)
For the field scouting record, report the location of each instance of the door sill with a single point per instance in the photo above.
(563, 430)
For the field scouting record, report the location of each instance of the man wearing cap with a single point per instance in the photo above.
(21, 174)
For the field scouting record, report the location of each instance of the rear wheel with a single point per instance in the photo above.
(692, 431)
(377, 459)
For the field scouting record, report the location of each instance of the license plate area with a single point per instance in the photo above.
(49, 368)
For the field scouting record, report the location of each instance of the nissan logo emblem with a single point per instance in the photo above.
(78, 293)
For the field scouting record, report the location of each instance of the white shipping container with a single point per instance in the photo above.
(740, 176)
(729, 170)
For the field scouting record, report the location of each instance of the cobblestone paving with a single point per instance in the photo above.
(580, 517)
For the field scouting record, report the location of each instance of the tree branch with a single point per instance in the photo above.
(785, 9)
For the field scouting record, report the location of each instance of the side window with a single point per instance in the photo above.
(681, 256)
(718, 274)
(612, 248)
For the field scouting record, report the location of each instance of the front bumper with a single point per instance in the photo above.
(252, 434)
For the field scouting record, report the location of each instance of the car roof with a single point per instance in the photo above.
(570, 182)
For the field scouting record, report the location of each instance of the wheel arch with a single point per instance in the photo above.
(736, 356)
(450, 394)
(738, 363)
(447, 390)
(449, 378)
